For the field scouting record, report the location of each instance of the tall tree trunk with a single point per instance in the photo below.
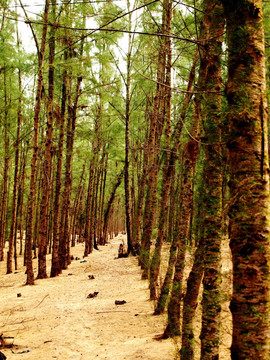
(182, 228)
(93, 170)
(127, 118)
(56, 268)
(89, 201)
(12, 235)
(75, 207)
(191, 302)
(103, 199)
(139, 205)
(213, 28)
(100, 202)
(20, 212)
(182, 217)
(47, 164)
(109, 205)
(4, 199)
(31, 198)
(249, 182)
(168, 173)
(156, 128)
(71, 125)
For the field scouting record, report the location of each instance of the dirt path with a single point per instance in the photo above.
(55, 320)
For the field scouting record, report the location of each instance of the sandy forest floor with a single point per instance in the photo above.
(55, 320)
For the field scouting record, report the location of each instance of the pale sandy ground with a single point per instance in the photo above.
(55, 320)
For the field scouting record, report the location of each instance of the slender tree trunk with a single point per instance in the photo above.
(47, 164)
(249, 183)
(100, 204)
(167, 175)
(127, 118)
(75, 208)
(156, 128)
(4, 199)
(56, 268)
(92, 186)
(13, 235)
(37, 202)
(139, 205)
(182, 219)
(20, 212)
(191, 302)
(109, 205)
(182, 230)
(212, 174)
(87, 237)
(103, 199)
(31, 198)
(65, 234)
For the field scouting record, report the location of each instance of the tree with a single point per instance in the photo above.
(249, 178)
(46, 187)
(213, 29)
(127, 139)
(157, 121)
(31, 199)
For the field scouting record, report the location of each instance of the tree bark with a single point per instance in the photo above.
(56, 268)
(127, 149)
(71, 125)
(168, 173)
(191, 302)
(249, 183)
(12, 234)
(213, 29)
(4, 199)
(156, 128)
(89, 201)
(75, 208)
(46, 186)
(31, 198)
(109, 205)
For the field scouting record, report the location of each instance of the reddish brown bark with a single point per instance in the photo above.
(4, 199)
(60, 114)
(47, 164)
(12, 235)
(249, 183)
(31, 198)
(64, 256)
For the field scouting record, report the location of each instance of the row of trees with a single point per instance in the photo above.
(169, 132)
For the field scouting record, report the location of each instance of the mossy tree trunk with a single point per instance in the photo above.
(168, 159)
(168, 174)
(182, 229)
(213, 28)
(191, 301)
(249, 183)
(156, 129)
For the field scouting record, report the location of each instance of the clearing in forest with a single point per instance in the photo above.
(55, 319)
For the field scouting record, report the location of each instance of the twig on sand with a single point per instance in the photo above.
(112, 311)
(41, 301)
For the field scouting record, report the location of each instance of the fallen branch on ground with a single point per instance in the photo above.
(104, 312)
